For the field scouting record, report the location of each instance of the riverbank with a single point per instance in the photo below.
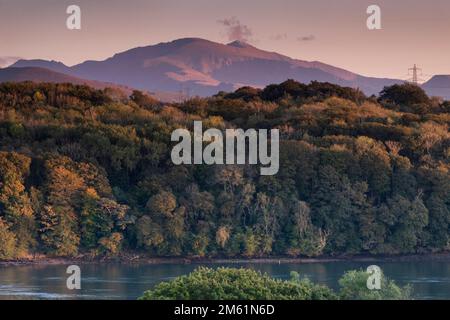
(142, 259)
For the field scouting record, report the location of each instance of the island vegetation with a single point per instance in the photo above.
(247, 284)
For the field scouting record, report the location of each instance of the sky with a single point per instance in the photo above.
(334, 32)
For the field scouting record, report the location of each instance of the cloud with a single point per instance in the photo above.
(311, 37)
(279, 36)
(235, 30)
(7, 61)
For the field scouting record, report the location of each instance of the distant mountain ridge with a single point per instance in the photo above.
(196, 66)
(38, 74)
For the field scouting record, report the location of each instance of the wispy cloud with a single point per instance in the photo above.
(7, 61)
(279, 36)
(235, 30)
(310, 37)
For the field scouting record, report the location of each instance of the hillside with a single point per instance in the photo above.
(82, 173)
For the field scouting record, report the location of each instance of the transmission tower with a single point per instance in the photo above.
(415, 76)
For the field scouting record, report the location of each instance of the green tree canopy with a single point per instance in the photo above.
(236, 284)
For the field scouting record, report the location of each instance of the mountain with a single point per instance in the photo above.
(51, 65)
(438, 85)
(38, 74)
(204, 67)
(201, 67)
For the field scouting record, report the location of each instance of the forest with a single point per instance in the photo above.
(86, 172)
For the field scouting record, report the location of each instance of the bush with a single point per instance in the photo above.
(247, 284)
(406, 95)
(236, 284)
(317, 91)
(354, 287)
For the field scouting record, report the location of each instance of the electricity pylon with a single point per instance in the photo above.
(415, 76)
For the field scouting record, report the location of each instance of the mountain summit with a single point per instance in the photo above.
(203, 67)
(239, 44)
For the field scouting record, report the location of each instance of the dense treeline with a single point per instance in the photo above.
(84, 171)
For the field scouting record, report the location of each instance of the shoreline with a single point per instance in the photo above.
(43, 261)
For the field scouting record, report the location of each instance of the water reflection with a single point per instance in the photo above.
(430, 279)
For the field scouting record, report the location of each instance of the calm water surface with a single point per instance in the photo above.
(430, 279)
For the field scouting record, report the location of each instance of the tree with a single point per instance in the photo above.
(306, 239)
(222, 236)
(162, 204)
(143, 100)
(335, 206)
(162, 229)
(59, 220)
(405, 221)
(7, 242)
(111, 245)
(431, 135)
(404, 95)
(375, 166)
(436, 184)
(149, 234)
(15, 204)
(245, 93)
(102, 223)
(235, 284)
(354, 287)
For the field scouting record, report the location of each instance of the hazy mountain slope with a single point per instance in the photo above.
(7, 61)
(51, 65)
(37, 74)
(198, 66)
(438, 85)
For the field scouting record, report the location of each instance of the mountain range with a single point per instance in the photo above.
(195, 66)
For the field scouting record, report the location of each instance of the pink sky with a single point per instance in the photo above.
(334, 32)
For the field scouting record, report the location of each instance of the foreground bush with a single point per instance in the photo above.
(354, 287)
(247, 284)
(236, 284)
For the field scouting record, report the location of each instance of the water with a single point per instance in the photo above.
(430, 279)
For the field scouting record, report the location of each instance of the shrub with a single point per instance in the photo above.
(236, 284)
(406, 95)
(354, 287)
